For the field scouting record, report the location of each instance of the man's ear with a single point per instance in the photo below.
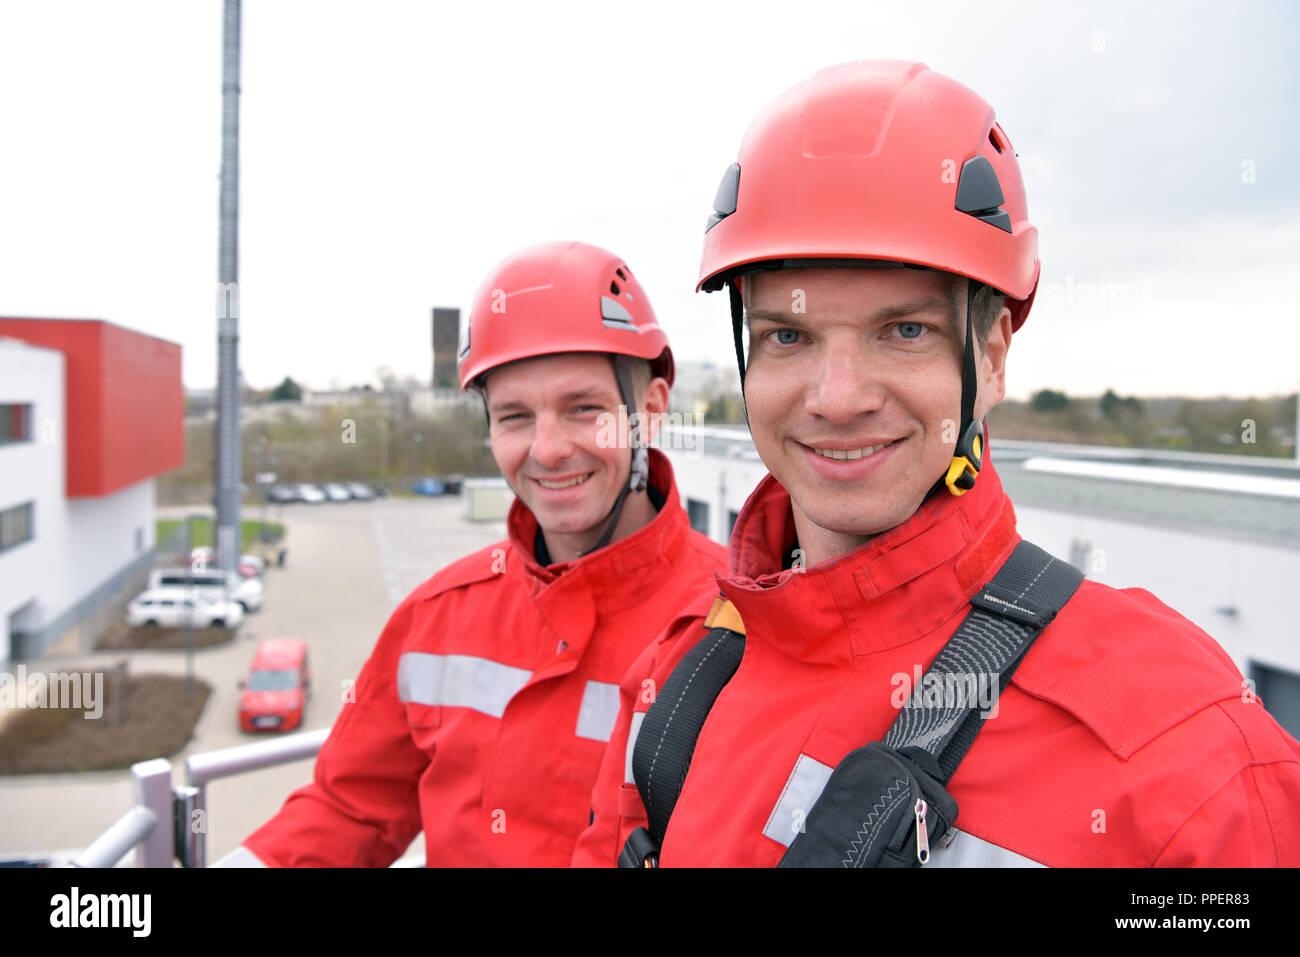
(993, 364)
(654, 400)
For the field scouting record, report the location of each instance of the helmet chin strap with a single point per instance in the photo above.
(968, 456)
(738, 324)
(639, 473)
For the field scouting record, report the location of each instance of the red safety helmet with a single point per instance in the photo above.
(560, 297)
(879, 160)
(883, 160)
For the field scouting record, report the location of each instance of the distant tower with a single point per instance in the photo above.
(446, 341)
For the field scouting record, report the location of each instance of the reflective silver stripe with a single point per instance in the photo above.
(808, 780)
(240, 857)
(802, 789)
(598, 711)
(967, 850)
(637, 718)
(458, 681)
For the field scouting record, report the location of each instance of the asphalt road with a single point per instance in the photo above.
(349, 565)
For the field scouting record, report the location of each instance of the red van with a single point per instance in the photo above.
(274, 697)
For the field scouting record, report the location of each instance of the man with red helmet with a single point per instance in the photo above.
(875, 244)
(484, 709)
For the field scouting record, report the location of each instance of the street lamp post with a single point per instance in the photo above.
(265, 480)
(416, 440)
(261, 480)
(190, 602)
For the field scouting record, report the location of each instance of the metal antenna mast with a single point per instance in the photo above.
(228, 463)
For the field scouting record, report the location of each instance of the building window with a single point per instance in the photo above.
(731, 522)
(698, 513)
(1280, 693)
(15, 423)
(15, 526)
(139, 540)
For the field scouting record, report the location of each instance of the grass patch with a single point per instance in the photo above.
(144, 716)
(249, 531)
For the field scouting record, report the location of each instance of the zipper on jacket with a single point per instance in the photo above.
(922, 838)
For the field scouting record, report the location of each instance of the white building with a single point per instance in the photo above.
(90, 413)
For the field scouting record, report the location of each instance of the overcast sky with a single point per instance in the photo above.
(392, 152)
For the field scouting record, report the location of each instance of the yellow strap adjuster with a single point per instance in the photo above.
(723, 614)
(966, 461)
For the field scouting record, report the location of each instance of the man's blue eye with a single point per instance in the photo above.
(910, 330)
(781, 335)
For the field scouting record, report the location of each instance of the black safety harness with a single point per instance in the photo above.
(885, 803)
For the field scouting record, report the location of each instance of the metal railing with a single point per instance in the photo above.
(202, 768)
(169, 824)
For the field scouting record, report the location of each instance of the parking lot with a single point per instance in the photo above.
(349, 564)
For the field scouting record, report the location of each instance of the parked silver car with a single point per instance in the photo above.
(336, 492)
(310, 493)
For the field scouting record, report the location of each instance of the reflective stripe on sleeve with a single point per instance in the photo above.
(240, 857)
(637, 718)
(802, 789)
(458, 681)
(598, 711)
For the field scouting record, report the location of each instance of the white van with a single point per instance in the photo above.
(175, 608)
(213, 583)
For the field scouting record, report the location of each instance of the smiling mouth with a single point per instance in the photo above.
(567, 483)
(849, 455)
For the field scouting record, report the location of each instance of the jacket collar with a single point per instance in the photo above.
(612, 578)
(893, 589)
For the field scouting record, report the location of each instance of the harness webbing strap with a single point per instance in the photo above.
(944, 715)
(666, 742)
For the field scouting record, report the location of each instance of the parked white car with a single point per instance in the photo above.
(212, 583)
(310, 493)
(337, 492)
(174, 608)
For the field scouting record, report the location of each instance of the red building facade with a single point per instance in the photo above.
(124, 398)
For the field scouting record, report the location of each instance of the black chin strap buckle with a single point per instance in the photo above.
(967, 458)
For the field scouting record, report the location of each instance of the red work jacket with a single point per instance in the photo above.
(483, 712)
(1126, 737)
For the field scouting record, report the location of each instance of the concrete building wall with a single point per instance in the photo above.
(84, 552)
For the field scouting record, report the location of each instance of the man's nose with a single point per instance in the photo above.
(845, 386)
(552, 443)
